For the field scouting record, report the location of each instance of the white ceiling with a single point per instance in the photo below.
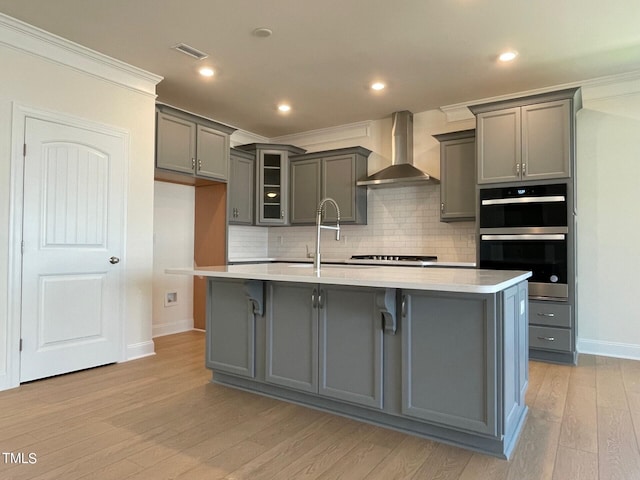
(323, 54)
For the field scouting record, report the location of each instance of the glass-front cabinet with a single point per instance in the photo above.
(272, 186)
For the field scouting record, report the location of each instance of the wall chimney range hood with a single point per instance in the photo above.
(401, 171)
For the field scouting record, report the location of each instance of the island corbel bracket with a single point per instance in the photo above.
(386, 305)
(254, 290)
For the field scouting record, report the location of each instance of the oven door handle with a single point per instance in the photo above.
(555, 236)
(509, 201)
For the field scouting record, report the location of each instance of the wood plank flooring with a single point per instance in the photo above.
(161, 418)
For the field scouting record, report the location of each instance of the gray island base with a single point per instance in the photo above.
(439, 353)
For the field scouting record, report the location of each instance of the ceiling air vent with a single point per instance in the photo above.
(189, 50)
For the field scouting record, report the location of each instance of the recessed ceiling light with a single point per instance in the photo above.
(508, 56)
(377, 86)
(262, 32)
(284, 108)
(206, 71)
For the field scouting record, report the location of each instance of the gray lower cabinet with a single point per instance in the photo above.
(455, 336)
(448, 366)
(457, 175)
(550, 327)
(231, 322)
(350, 344)
(327, 340)
(330, 173)
(241, 187)
(292, 336)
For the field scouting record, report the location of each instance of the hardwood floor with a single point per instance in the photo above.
(161, 418)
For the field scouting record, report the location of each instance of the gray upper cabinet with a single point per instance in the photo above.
(272, 181)
(457, 175)
(306, 188)
(331, 173)
(526, 139)
(191, 145)
(241, 188)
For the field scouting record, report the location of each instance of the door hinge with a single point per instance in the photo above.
(24, 150)
(22, 247)
(20, 344)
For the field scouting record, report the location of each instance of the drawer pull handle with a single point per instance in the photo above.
(548, 339)
(546, 315)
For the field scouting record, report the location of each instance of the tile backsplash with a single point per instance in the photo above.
(401, 221)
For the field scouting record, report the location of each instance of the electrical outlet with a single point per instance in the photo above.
(170, 299)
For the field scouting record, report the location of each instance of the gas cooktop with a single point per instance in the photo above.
(400, 260)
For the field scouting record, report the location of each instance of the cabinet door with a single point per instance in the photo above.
(176, 144)
(241, 188)
(350, 335)
(546, 140)
(213, 153)
(292, 336)
(305, 190)
(230, 328)
(339, 175)
(272, 197)
(458, 182)
(498, 146)
(449, 371)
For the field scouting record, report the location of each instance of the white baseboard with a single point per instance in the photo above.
(609, 349)
(140, 350)
(179, 326)
(6, 382)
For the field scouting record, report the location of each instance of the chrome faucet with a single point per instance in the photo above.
(319, 226)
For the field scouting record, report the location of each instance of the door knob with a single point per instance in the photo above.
(114, 260)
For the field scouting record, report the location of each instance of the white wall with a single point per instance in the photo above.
(609, 225)
(34, 81)
(173, 221)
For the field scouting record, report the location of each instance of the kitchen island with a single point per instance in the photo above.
(435, 352)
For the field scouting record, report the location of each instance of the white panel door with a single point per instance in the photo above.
(73, 238)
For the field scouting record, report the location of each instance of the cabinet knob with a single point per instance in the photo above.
(518, 168)
(442, 207)
(199, 164)
(193, 164)
(281, 213)
(524, 169)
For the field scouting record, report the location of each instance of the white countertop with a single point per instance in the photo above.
(469, 280)
(435, 263)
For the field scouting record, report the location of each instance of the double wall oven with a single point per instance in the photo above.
(525, 228)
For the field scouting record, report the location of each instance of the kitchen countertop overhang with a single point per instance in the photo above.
(462, 280)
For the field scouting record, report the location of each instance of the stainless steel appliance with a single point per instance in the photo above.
(525, 228)
(394, 260)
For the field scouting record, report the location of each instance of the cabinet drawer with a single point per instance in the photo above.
(551, 314)
(549, 338)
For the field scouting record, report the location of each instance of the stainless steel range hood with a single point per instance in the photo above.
(401, 171)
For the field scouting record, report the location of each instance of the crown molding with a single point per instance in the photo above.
(600, 88)
(352, 131)
(26, 38)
